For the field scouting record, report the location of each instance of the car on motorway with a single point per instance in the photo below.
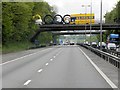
(89, 44)
(103, 45)
(86, 43)
(94, 44)
(72, 43)
(111, 46)
(66, 44)
(118, 46)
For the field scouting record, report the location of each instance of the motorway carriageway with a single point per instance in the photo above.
(53, 67)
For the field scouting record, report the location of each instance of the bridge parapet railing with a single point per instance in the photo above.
(114, 60)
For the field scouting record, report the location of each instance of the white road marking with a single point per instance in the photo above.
(54, 56)
(21, 57)
(26, 83)
(46, 64)
(40, 70)
(51, 59)
(101, 73)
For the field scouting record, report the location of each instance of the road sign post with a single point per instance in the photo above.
(90, 21)
(101, 26)
(85, 18)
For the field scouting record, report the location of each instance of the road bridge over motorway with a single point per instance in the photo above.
(64, 27)
(76, 33)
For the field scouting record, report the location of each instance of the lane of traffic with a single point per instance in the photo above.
(17, 72)
(70, 69)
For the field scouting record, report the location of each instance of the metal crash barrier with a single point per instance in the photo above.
(115, 53)
(112, 59)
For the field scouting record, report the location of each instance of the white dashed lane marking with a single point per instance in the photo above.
(51, 59)
(40, 70)
(26, 83)
(46, 64)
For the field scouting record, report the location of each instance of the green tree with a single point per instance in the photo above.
(43, 8)
(22, 16)
(111, 17)
(18, 24)
(7, 23)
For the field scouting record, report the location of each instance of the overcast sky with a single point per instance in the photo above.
(75, 6)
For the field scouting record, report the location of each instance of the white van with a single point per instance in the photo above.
(111, 46)
(103, 45)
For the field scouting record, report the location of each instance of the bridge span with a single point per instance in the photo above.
(76, 33)
(65, 27)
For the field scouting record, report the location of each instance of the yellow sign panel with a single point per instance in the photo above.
(82, 18)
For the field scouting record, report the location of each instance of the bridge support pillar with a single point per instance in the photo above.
(33, 38)
(54, 39)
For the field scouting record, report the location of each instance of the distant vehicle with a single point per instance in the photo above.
(86, 43)
(118, 46)
(66, 43)
(103, 45)
(111, 46)
(94, 44)
(89, 44)
(82, 18)
(54, 43)
(72, 43)
(113, 38)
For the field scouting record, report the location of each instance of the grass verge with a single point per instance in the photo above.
(16, 47)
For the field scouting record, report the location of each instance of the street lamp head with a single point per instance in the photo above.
(86, 5)
(83, 5)
(89, 5)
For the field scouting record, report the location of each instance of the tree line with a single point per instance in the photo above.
(112, 17)
(18, 24)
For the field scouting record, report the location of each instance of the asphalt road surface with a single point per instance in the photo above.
(55, 67)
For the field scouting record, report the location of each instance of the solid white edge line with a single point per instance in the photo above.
(40, 70)
(46, 64)
(22, 57)
(27, 82)
(101, 73)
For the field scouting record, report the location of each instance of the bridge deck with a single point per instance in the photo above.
(62, 27)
